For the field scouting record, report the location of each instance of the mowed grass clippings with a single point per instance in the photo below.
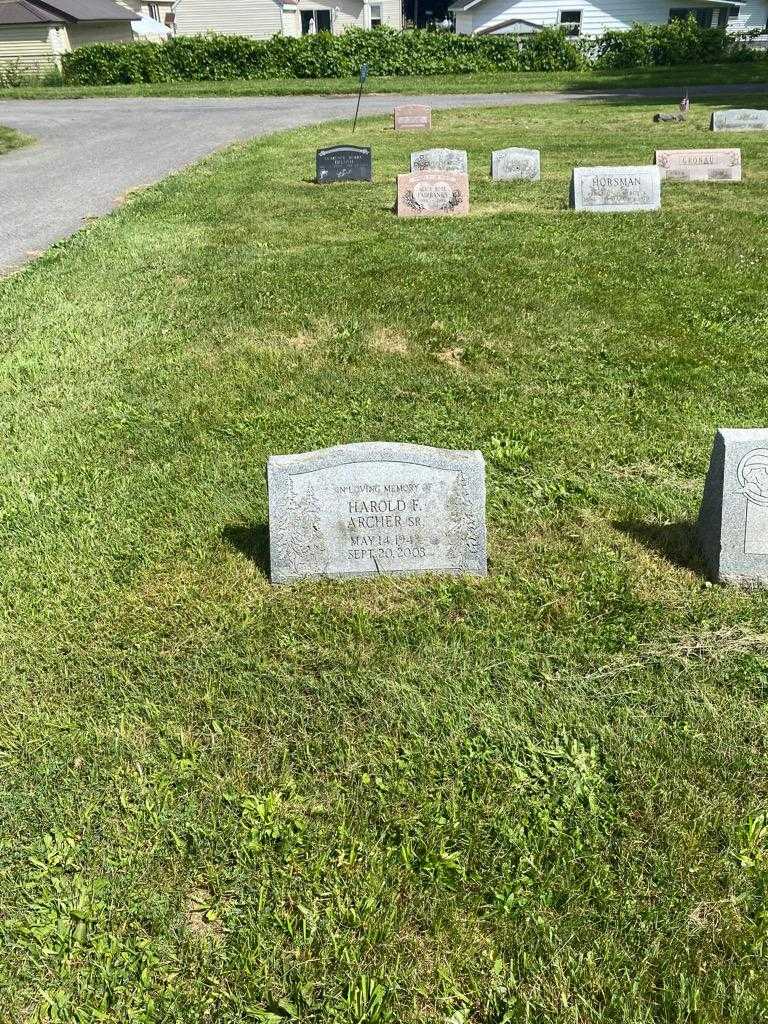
(535, 797)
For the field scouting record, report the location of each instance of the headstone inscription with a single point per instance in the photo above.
(413, 117)
(439, 160)
(733, 521)
(343, 163)
(515, 164)
(740, 121)
(432, 193)
(699, 164)
(376, 508)
(616, 189)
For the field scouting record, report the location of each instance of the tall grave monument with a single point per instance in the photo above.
(733, 521)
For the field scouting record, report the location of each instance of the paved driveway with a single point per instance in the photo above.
(90, 152)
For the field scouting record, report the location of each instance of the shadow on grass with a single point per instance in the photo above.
(251, 541)
(675, 542)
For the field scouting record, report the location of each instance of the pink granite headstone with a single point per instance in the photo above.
(413, 117)
(432, 194)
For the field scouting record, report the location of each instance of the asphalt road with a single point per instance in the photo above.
(91, 152)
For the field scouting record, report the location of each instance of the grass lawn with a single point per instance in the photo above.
(537, 797)
(548, 81)
(11, 139)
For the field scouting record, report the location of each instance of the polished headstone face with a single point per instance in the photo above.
(376, 508)
(439, 160)
(733, 522)
(616, 189)
(343, 163)
(432, 193)
(516, 164)
(699, 164)
(740, 121)
(413, 117)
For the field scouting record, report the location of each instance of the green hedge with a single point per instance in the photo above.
(218, 58)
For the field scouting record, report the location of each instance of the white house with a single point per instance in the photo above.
(261, 19)
(592, 17)
(35, 33)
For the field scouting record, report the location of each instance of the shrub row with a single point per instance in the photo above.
(387, 52)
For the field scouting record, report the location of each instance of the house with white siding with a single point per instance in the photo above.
(261, 19)
(592, 17)
(35, 33)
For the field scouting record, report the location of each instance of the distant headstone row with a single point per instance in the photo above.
(387, 508)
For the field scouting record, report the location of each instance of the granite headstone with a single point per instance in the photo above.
(740, 121)
(733, 521)
(376, 508)
(413, 117)
(616, 189)
(432, 193)
(439, 160)
(343, 163)
(699, 164)
(515, 164)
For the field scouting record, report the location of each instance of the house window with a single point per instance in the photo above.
(375, 15)
(315, 21)
(571, 22)
(703, 15)
(153, 10)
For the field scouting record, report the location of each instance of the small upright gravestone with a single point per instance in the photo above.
(413, 117)
(616, 189)
(699, 164)
(740, 121)
(515, 164)
(432, 193)
(733, 522)
(376, 508)
(439, 160)
(343, 163)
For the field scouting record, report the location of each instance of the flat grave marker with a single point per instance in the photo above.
(739, 120)
(439, 160)
(413, 117)
(616, 189)
(376, 508)
(432, 193)
(343, 163)
(733, 521)
(699, 164)
(516, 164)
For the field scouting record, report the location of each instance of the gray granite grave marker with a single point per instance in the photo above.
(740, 121)
(616, 189)
(376, 508)
(439, 160)
(733, 521)
(515, 164)
(699, 164)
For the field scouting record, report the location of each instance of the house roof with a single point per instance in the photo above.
(30, 12)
